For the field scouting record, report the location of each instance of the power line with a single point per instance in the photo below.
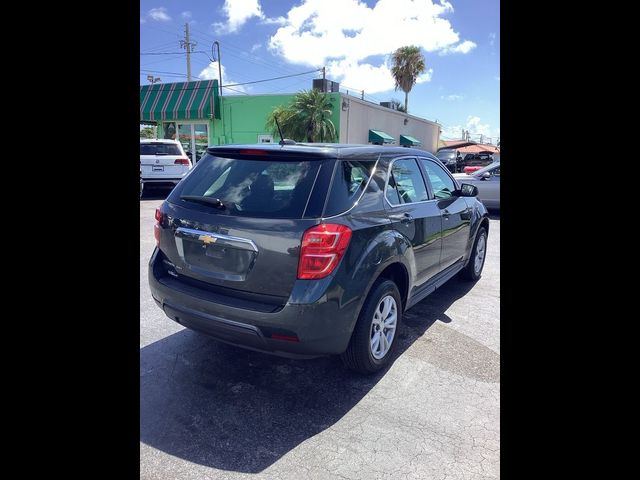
(166, 73)
(173, 53)
(275, 78)
(259, 60)
(160, 47)
(231, 84)
(234, 90)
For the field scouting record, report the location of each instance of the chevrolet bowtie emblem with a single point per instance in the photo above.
(207, 239)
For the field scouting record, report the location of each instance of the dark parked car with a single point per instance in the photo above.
(481, 159)
(313, 249)
(449, 159)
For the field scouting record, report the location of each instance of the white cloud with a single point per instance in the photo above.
(186, 15)
(255, 46)
(497, 77)
(211, 73)
(238, 12)
(475, 128)
(273, 21)
(453, 97)
(344, 34)
(492, 39)
(142, 20)
(425, 77)
(159, 14)
(463, 47)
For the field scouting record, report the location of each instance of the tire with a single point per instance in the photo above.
(473, 271)
(361, 356)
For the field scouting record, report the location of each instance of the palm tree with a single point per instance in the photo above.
(408, 63)
(307, 118)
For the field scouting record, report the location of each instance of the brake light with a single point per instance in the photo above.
(182, 161)
(250, 151)
(156, 226)
(322, 248)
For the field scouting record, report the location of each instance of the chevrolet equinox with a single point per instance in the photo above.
(305, 250)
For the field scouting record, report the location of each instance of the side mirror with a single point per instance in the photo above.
(467, 190)
(485, 176)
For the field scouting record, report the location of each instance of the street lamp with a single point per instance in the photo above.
(153, 80)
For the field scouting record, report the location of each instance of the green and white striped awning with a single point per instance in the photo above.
(179, 101)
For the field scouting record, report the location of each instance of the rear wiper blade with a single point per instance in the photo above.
(216, 202)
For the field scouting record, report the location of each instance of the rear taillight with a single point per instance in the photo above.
(156, 227)
(182, 161)
(322, 248)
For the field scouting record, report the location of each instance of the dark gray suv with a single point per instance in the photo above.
(313, 249)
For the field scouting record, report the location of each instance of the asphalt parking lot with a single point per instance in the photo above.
(209, 410)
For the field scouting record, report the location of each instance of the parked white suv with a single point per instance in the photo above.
(163, 162)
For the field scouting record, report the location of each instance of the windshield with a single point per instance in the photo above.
(251, 188)
(442, 154)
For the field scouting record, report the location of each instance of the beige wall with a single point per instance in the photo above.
(360, 116)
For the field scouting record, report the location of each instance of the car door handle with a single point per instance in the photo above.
(446, 214)
(406, 219)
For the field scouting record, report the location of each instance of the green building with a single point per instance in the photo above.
(196, 115)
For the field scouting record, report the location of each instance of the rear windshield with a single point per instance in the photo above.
(252, 188)
(159, 149)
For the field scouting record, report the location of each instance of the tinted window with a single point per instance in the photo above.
(446, 154)
(441, 183)
(252, 188)
(349, 181)
(406, 184)
(159, 149)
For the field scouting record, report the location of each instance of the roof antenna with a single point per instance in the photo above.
(283, 141)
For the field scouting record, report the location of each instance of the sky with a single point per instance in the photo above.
(353, 39)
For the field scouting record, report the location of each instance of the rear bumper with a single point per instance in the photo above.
(322, 328)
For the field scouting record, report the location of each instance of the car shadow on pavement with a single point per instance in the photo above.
(238, 410)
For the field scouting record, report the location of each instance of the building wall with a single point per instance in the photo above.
(357, 117)
(244, 117)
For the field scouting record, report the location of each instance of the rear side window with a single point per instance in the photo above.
(406, 184)
(349, 181)
(159, 149)
(251, 188)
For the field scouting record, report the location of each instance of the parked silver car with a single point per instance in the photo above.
(487, 179)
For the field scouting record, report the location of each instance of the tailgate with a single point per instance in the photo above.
(249, 254)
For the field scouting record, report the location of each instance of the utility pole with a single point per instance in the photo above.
(324, 83)
(217, 45)
(362, 95)
(187, 44)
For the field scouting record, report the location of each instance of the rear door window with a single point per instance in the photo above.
(349, 181)
(252, 188)
(406, 184)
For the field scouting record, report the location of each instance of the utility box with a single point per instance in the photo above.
(325, 85)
